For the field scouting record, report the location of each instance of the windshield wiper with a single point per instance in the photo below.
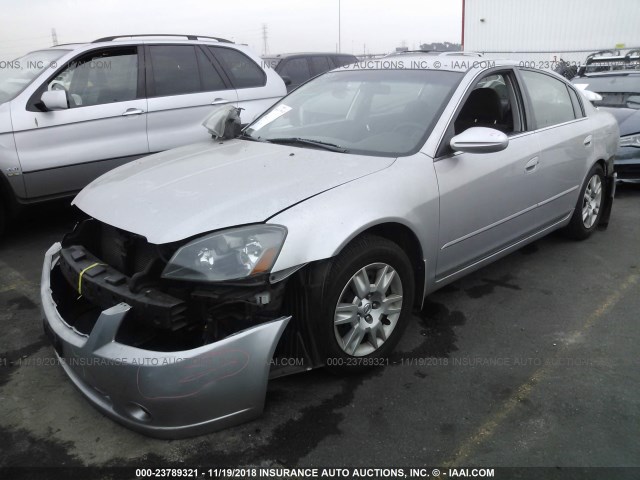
(305, 141)
(246, 136)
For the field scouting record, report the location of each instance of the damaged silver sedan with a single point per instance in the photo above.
(308, 239)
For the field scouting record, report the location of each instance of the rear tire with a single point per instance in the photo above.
(368, 300)
(589, 207)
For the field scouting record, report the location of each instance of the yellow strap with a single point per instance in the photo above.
(82, 273)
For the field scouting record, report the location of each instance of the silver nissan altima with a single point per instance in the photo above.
(308, 239)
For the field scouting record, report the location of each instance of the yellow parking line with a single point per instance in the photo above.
(488, 428)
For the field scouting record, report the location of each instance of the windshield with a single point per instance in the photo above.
(17, 74)
(370, 112)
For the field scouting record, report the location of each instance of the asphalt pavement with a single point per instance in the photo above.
(531, 361)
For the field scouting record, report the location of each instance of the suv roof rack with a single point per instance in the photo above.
(605, 54)
(188, 37)
(610, 61)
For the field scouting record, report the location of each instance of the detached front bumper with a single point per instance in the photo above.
(163, 394)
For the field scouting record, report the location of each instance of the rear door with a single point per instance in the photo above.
(184, 86)
(487, 201)
(566, 142)
(105, 125)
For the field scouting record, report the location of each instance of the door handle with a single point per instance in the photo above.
(587, 140)
(132, 111)
(531, 165)
(219, 101)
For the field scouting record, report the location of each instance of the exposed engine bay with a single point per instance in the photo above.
(101, 266)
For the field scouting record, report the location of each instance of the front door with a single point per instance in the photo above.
(105, 125)
(487, 201)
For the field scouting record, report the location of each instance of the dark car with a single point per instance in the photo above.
(297, 68)
(620, 91)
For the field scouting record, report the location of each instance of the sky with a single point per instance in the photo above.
(376, 26)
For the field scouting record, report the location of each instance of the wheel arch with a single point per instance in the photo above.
(609, 190)
(407, 240)
(603, 163)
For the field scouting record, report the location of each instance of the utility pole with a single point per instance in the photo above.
(265, 36)
(54, 37)
(339, 29)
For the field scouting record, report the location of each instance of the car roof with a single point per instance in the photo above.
(454, 63)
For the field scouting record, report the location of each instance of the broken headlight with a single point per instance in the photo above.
(227, 255)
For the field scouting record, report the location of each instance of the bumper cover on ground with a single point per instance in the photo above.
(163, 394)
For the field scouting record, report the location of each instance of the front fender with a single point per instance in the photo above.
(405, 193)
(11, 181)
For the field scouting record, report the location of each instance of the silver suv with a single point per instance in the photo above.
(72, 112)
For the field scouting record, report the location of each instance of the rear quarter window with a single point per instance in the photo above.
(243, 71)
(577, 106)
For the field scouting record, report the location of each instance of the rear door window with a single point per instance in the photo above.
(319, 65)
(175, 70)
(209, 76)
(549, 98)
(297, 69)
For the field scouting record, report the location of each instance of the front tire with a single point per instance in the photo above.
(589, 208)
(368, 300)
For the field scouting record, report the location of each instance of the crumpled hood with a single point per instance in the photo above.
(628, 119)
(211, 185)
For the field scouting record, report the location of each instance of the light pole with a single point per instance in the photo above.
(339, 30)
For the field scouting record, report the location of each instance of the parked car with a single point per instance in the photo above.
(72, 112)
(308, 241)
(620, 91)
(297, 68)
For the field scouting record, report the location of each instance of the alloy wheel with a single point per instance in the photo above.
(368, 309)
(591, 201)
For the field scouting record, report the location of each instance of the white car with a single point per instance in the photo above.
(70, 113)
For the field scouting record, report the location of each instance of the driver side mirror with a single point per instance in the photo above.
(480, 140)
(55, 100)
(591, 96)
